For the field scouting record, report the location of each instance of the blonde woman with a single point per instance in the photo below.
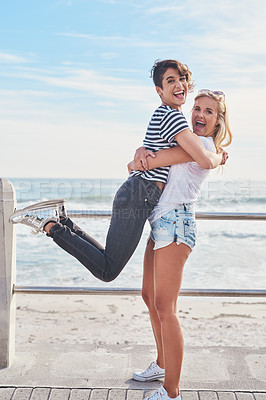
(172, 238)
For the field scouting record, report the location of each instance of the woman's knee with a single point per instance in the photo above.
(165, 309)
(148, 298)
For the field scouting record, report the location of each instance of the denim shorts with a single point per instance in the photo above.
(178, 225)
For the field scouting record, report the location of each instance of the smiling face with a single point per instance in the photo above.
(174, 89)
(204, 116)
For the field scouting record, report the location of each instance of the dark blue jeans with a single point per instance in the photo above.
(132, 205)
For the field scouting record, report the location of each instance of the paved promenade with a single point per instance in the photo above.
(97, 366)
(59, 373)
(47, 393)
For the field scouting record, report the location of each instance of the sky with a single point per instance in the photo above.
(75, 92)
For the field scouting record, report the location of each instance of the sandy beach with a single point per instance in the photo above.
(124, 320)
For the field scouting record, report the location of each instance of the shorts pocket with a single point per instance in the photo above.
(162, 229)
(169, 217)
(190, 228)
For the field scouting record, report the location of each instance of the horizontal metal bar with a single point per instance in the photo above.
(131, 291)
(231, 216)
(199, 215)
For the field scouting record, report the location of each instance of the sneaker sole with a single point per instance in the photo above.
(150, 379)
(46, 203)
(43, 205)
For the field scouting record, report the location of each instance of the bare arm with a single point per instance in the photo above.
(163, 158)
(192, 144)
(146, 160)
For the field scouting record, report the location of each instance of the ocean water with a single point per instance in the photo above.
(228, 254)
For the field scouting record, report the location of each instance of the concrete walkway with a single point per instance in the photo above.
(98, 366)
(48, 393)
(61, 372)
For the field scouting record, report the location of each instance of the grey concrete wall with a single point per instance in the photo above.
(7, 274)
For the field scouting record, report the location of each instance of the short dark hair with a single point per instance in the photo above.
(160, 67)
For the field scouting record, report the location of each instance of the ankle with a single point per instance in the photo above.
(48, 226)
(171, 393)
(160, 363)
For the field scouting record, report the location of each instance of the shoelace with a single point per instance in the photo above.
(34, 221)
(157, 395)
(150, 368)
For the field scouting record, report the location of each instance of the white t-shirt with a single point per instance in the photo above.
(183, 184)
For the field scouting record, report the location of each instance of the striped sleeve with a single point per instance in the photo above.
(172, 123)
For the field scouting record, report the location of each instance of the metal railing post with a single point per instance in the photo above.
(7, 274)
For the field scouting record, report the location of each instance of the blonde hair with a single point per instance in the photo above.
(222, 135)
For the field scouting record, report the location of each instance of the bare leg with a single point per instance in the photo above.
(148, 297)
(48, 227)
(169, 264)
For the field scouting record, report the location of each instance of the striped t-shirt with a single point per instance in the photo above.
(165, 123)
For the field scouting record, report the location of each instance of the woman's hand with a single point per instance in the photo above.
(140, 158)
(224, 155)
(132, 166)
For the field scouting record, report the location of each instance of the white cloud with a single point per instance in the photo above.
(222, 41)
(122, 41)
(211, 12)
(109, 55)
(224, 36)
(92, 82)
(69, 149)
(6, 58)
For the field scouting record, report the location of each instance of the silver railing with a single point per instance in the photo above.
(136, 291)
(132, 291)
(199, 215)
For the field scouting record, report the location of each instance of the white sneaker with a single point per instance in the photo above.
(152, 373)
(162, 394)
(38, 215)
(60, 203)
